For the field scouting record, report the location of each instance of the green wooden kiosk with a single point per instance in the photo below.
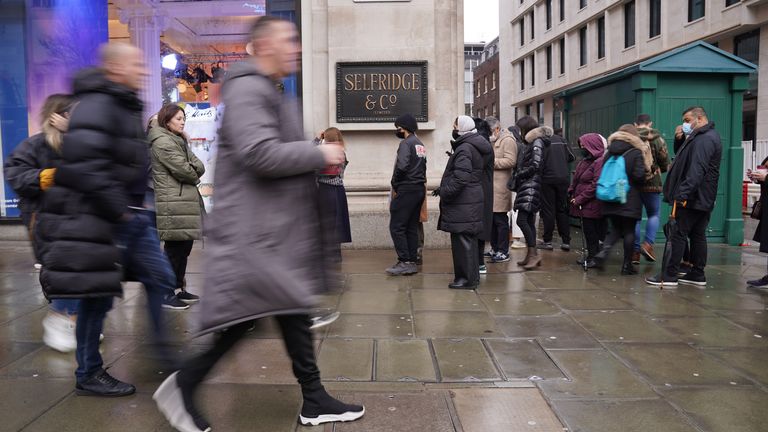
(663, 86)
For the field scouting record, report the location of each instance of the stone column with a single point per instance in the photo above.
(762, 87)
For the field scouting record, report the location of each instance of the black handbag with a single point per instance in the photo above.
(757, 210)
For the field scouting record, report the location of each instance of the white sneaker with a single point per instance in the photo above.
(517, 244)
(59, 332)
(38, 266)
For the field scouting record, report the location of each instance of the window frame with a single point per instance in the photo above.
(583, 53)
(691, 5)
(601, 37)
(548, 13)
(562, 55)
(630, 18)
(548, 51)
(654, 22)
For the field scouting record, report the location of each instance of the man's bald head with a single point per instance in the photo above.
(123, 64)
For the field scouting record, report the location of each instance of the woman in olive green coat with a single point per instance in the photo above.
(176, 171)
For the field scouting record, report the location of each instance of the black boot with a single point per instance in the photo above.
(103, 384)
(627, 269)
(320, 407)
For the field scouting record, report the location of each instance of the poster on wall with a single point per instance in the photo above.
(201, 129)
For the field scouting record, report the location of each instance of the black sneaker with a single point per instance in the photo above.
(187, 297)
(103, 384)
(483, 269)
(545, 246)
(660, 280)
(759, 283)
(173, 302)
(500, 257)
(565, 247)
(324, 320)
(319, 407)
(684, 269)
(177, 407)
(692, 279)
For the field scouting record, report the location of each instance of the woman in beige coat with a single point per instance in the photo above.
(505, 160)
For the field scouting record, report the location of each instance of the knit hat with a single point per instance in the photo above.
(407, 122)
(466, 125)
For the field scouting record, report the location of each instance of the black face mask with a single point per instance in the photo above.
(400, 134)
(586, 153)
(456, 134)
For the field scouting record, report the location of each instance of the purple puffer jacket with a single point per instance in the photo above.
(584, 182)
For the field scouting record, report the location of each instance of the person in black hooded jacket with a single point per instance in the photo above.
(462, 201)
(527, 183)
(484, 131)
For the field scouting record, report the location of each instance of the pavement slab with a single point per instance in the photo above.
(628, 326)
(523, 359)
(404, 361)
(553, 332)
(723, 409)
(516, 304)
(624, 416)
(372, 326)
(375, 302)
(713, 332)
(482, 410)
(464, 360)
(445, 324)
(400, 411)
(446, 300)
(345, 360)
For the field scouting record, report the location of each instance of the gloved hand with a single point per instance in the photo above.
(436, 192)
(46, 178)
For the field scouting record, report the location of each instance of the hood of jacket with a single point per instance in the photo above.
(648, 134)
(635, 142)
(158, 132)
(93, 80)
(477, 141)
(620, 142)
(243, 68)
(502, 135)
(539, 132)
(594, 143)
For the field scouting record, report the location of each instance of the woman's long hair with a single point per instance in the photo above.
(55, 104)
(333, 134)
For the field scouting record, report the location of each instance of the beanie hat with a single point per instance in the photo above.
(407, 122)
(466, 125)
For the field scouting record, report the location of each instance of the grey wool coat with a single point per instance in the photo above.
(264, 252)
(175, 174)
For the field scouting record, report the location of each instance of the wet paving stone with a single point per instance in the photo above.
(517, 282)
(399, 411)
(628, 326)
(346, 360)
(374, 282)
(752, 363)
(717, 300)
(676, 364)
(723, 409)
(404, 361)
(523, 359)
(586, 300)
(255, 361)
(454, 325)
(464, 360)
(757, 321)
(372, 326)
(593, 374)
(23, 400)
(429, 281)
(26, 328)
(12, 351)
(552, 332)
(624, 416)
(482, 410)
(663, 303)
(712, 332)
(442, 300)
(519, 304)
(566, 280)
(367, 302)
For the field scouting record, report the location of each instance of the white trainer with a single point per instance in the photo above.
(59, 332)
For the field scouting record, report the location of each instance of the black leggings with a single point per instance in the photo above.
(527, 223)
(624, 228)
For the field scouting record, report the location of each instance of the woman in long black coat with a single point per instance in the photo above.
(761, 233)
(527, 184)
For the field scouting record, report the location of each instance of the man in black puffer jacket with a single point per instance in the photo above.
(555, 179)
(92, 220)
(692, 184)
(462, 201)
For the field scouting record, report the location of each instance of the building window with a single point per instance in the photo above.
(562, 55)
(522, 31)
(533, 70)
(548, 6)
(485, 81)
(493, 80)
(601, 37)
(493, 110)
(540, 111)
(731, 2)
(517, 115)
(562, 10)
(583, 46)
(655, 18)
(582, 4)
(522, 74)
(695, 9)
(629, 24)
(528, 109)
(477, 93)
(549, 62)
(533, 29)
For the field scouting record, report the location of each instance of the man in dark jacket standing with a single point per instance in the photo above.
(408, 181)
(555, 179)
(692, 184)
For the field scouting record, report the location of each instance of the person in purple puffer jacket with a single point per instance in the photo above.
(583, 202)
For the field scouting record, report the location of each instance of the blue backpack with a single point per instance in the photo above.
(613, 184)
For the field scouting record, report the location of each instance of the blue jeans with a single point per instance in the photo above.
(65, 306)
(652, 203)
(90, 322)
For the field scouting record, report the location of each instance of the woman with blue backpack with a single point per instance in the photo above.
(626, 163)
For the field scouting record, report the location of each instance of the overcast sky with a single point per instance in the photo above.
(481, 20)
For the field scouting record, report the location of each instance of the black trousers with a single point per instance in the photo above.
(527, 223)
(500, 233)
(178, 253)
(298, 342)
(691, 226)
(465, 258)
(592, 230)
(554, 208)
(404, 212)
(621, 228)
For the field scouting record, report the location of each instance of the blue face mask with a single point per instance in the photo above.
(687, 128)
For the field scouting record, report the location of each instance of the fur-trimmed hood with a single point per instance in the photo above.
(637, 143)
(539, 132)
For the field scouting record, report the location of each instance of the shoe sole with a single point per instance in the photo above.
(330, 319)
(662, 284)
(690, 282)
(190, 302)
(176, 415)
(328, 418)
(176, 307)
(80, 392)
(499, 261)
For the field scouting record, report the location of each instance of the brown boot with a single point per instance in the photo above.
(534, 261)
(527, 256)
(647, 250)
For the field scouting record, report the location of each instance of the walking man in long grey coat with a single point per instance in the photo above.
(264, 255)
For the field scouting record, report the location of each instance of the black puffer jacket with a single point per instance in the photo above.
(696, 170)
(22, 172)
(557, 156)
(104, 170)
(487, 183)
(623, 143)
(461, 189)
(528, 173)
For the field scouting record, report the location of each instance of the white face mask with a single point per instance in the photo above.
(494, 136)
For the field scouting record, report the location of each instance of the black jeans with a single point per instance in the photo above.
(621, 228)
(500, 233)
(465, 258)
(404, 211)
(178, 253)
(527, 223)
(592, 228)
(691, 225)
(554, 208)
(298, 342)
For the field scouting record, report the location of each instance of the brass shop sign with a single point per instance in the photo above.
(375, 92)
